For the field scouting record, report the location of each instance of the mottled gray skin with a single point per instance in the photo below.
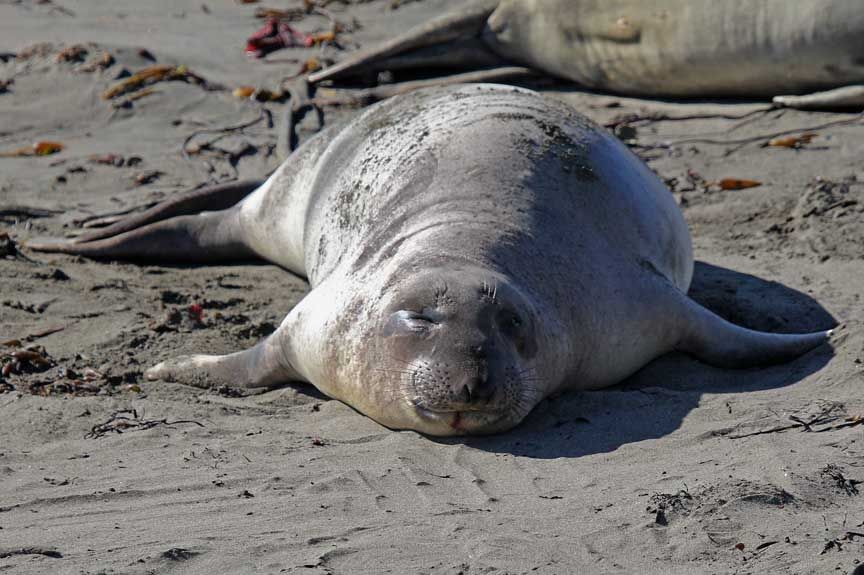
(687, 47)
(743, 48)
(471, 250)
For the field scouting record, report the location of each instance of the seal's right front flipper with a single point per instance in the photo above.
(263, 365)
(718, 342)
(296, 351)
(452, 28)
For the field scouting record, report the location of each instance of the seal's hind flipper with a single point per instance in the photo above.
(718, 342)
(208, 198)
(464, 24)
(202, 238)
(166, 232)
(845, 97)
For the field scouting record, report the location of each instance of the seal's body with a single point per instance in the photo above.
(471, 250)
(687, 47)
(741, 48)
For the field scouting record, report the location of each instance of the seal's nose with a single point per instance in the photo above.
(475, 385)
(475, 388)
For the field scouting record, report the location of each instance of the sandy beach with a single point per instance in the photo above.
(683, 468)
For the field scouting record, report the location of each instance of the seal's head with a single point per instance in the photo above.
(459, 348)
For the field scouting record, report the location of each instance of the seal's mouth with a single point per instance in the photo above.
(461, 420)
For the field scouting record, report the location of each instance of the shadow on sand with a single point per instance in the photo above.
(654, 401)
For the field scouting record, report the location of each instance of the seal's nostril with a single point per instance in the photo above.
(475, 389)
(478, 351)
(466, 393)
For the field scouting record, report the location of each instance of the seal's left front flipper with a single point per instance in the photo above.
(851, 97)
(718, 342)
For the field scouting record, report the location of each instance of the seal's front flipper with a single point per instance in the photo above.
(296, 351)
(718, 342)
(263, 365)
(845, 97)
(450, 28)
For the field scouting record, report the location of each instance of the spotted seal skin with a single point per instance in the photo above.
(471, 250)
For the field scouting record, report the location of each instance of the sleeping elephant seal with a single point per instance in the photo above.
(670, 48)
(471, 250)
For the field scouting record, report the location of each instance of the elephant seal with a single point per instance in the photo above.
(678, 48)
(471, 250)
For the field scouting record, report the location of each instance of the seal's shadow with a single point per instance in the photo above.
(654, 401)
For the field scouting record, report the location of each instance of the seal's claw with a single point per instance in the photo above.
(158, 372)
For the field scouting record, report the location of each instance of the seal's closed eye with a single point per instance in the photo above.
(510, 321)
(405, 322)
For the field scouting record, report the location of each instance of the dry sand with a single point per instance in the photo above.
(682, 469)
